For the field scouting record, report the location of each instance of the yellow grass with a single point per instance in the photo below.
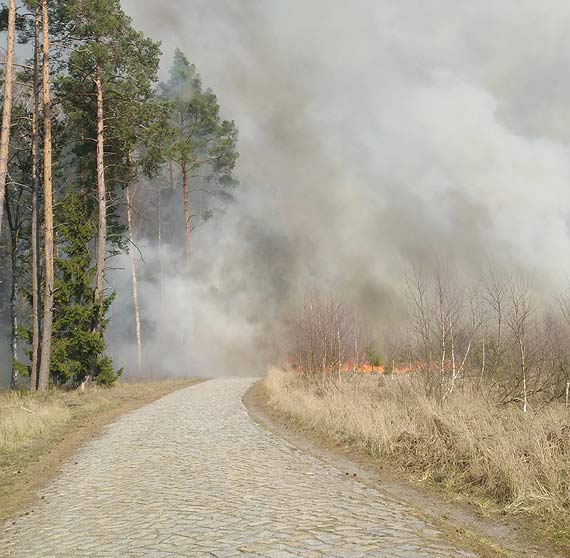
(31, 421)
(498, 456)
(40, 431)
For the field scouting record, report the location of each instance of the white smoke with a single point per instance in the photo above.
(371, 132)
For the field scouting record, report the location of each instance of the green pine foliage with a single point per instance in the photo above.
(201, 139)
(78, 351)
(146, 129)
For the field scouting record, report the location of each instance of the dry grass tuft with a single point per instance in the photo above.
(31, 422)
(27, 418)
(40, 431)
(498, 455)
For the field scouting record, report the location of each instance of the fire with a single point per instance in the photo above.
(366, 368)
(350, 367)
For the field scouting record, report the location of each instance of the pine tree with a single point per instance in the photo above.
(7, 103)
(78, 351)
(65, 202)
(35, 215)
(202, 142)
(110, 107)
(49, 249)
(17, 202)
(110, 66)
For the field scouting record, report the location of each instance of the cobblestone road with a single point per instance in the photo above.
(191, 475)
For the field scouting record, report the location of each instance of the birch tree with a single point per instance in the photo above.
(519, 320)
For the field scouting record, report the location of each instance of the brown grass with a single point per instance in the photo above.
(499, 457)
(40, 431)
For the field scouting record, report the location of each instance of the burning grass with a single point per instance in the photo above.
(498, 456)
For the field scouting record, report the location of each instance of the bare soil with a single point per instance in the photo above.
(490, 535)
(21, 482)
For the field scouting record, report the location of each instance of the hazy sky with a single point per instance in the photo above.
(405, 124)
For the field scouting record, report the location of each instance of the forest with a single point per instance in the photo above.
(94, 150)
(381, 270)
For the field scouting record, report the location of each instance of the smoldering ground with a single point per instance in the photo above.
(372, 133)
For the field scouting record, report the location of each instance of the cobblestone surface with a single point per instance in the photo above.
(191, 475)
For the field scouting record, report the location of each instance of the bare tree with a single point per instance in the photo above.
(420, 317)
(494, 295)
(562, 344)
(465, 319)
(322, 333)
(518, 319)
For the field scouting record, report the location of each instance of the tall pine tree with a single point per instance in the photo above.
(203, 144)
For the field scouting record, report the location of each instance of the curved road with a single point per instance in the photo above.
(191, 475)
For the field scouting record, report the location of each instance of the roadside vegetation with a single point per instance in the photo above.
(40, 430)
(95, 154)
(470, 392)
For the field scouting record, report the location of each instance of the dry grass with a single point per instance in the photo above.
(498, 456)
(25, 420)
(39, 431)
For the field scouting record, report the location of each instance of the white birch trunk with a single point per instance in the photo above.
(134, 281)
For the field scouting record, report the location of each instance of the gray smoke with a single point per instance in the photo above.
(373, 133)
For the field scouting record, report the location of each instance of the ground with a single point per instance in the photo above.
(193, 475)
(34, 446)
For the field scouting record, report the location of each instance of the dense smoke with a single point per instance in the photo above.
(372, 134)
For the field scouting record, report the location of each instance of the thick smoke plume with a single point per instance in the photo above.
(373, 133)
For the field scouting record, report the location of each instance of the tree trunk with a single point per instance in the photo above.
(356, 356)
(159, 234)
(12, 213)
(186, 211)
(523, 373)
(102, 202)
(339, 356)
(453, 364)
(134, 281)
(14, 380)
(171, 174)
(36, 299)
(483, 358)
(45, 359)
(443, 346)
(7, 109)
(323, 375)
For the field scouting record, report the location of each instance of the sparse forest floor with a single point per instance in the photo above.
(40, 431)
(505, 463)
